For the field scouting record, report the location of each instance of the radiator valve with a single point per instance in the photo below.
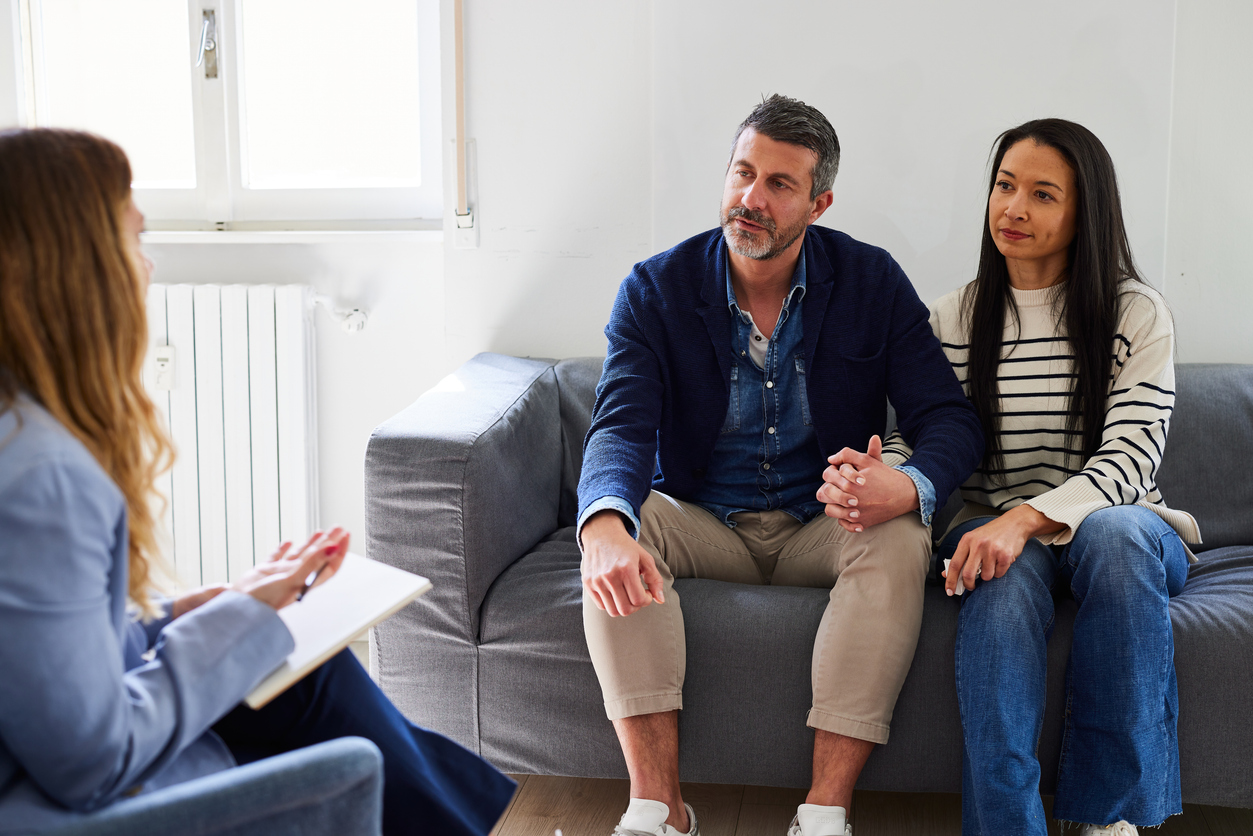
(351, 320)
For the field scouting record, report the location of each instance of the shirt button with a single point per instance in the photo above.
(769, 384)
(757, 337)
(742, 353)
(770, 430)
(766, 466)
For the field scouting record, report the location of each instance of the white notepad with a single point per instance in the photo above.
(361, 594)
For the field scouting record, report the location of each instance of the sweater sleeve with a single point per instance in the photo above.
(1137, 417)
(895, 451)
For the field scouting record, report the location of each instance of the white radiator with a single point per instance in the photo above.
(231, 369)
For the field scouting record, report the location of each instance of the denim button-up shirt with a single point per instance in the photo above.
(766, 457)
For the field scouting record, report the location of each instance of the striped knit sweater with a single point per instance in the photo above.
(1043, 464)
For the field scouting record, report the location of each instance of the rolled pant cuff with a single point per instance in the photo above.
(635, 706)
(834, 723)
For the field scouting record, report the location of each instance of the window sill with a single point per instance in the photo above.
(310, 236)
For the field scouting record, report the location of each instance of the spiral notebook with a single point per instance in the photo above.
(361, 594)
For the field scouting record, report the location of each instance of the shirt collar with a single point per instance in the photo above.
(798, 282)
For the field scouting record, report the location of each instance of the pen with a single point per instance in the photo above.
(313, 579)
(309, 582)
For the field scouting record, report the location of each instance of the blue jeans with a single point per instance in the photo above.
(431, 785)
(1119, 755)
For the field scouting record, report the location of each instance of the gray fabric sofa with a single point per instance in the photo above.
(474, 484)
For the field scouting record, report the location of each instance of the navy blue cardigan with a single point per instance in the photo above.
(663, 394)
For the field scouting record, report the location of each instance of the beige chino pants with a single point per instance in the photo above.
(865, 642)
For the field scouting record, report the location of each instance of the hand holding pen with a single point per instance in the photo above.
(289, 574)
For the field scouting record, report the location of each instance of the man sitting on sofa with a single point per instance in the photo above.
(738, 362)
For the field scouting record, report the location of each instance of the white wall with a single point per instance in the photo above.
(11, 95)
(571, 105)
(558, 96)
(602, 134)
(1209, 263)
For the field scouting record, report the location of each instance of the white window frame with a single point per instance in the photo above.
(220, 200)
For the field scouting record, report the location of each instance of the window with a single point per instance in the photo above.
(235, 112)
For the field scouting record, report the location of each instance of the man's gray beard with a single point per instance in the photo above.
(743, 244)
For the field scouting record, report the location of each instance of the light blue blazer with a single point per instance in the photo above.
(84, 719)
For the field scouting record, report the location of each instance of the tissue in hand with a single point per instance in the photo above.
(961, 587)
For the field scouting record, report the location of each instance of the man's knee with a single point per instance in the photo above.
(901, 544)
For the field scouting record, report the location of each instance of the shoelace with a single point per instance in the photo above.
(794, 829)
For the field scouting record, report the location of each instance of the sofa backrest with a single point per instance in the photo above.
(1207, 468)
(576, 383)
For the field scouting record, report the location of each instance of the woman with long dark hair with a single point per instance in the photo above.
(109, 691)
(1066, 355)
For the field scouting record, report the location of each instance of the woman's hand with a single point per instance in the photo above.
(988, 551)
(200, 595)
(279, 581)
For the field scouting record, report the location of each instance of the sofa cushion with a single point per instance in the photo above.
(1213, 627)
(541, 711)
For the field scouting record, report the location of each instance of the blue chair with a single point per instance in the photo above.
(331, 789)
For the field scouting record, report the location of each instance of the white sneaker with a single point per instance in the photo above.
(816, 820)
(645, 817)
(1118, 828)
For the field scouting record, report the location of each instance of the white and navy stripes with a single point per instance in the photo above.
(1044, 464)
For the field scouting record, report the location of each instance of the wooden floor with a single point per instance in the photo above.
(591, 807)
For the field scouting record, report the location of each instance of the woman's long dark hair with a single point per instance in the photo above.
(1099, 261)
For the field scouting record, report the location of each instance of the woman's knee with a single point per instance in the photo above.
(1121, 525)
(1124, 551)
(1119, 543)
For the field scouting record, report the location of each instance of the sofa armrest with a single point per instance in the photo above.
(464, 482)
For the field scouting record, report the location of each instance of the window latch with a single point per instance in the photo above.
(208, 52)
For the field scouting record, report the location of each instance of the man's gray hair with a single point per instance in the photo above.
(791, 120)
